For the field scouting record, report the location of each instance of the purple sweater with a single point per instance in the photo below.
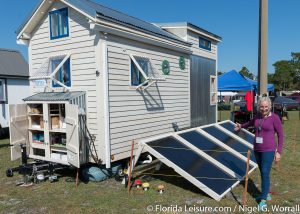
(269, 126)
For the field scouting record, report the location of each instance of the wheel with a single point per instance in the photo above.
(9, 173)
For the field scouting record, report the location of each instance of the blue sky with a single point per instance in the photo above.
(236, 21)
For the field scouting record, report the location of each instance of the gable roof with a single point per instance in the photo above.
(100, 12)
(12, 64)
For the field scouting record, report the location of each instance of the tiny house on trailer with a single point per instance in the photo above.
(129, 80)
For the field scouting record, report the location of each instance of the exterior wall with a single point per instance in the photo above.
(81, 45)
(180, 32)
(202, 112)
(141, 114)
(17, 89)
(194, 39)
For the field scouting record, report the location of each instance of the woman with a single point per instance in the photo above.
(266, 150)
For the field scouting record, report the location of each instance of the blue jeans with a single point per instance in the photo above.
(264, 161)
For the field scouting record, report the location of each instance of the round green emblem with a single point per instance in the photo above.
(165, 67)
(181, 63)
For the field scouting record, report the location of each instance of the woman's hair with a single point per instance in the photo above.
(264, 99)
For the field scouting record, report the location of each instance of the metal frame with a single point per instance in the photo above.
(143, 146)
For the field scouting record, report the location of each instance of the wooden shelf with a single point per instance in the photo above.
(64, 150)
(58, 130)
(36, 129)
(34, 114)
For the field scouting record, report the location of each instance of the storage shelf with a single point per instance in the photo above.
(58, 130)
(59, 150)
(38, 145)
(36, 129)
(34, 114)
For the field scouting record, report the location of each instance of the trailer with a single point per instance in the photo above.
(100, 79)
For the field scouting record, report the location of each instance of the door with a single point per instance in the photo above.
(72, 135)
(202, 112)
(18, 128)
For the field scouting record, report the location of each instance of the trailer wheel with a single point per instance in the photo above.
(9, 173)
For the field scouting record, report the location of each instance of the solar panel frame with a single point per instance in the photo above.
(187, 176)
(234, 135)
(144, 146)
(223, 146)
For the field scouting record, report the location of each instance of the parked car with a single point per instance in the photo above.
(285, 104)
(295, 96)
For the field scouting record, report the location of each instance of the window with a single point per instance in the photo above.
(213, 90)
(63, 75)
(59, 26)
(137, 77)
(3, 88)
(143, 73)
(204, 43)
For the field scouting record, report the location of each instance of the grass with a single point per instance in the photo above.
(111, 196)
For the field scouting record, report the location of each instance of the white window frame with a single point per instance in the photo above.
(148, 79)
(4, 87)
(213, 96)
(43, 71)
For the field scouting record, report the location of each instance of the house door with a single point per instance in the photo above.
(202, 112)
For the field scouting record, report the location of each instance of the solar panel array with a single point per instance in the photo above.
(212, 157)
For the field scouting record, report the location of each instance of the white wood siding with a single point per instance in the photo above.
(194, 39)
(81, 45)
(17, 89)
(136, 115)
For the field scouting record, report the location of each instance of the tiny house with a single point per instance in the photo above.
(101, 79)
(14, 84)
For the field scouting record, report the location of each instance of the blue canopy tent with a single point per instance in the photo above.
(234, 81)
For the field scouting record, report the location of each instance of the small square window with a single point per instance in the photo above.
(63, 75)
(59, 26)
(204, 43)
(3, 97)
(136, 77)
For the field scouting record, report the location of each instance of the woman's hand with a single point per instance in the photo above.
(237, 127)
(277, 157)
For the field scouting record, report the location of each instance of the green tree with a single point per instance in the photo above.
(245, 72)
(283, 76)
(287, 73)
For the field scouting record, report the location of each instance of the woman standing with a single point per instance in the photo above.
(266, 150)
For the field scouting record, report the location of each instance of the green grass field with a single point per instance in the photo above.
(111, 196)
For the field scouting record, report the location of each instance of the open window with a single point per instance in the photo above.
(3, 91)
(57, 69)
(213, 90)
(143, 73)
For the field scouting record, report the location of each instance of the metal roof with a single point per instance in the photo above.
(188, 24)
(55, 96)
(98, 11)
(12, 64)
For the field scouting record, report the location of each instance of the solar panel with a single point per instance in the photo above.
(228, 140)
(242, 134)
(225, 157)
(208, 174)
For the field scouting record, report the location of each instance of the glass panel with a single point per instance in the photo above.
(54, 27)
(229, 141)
(194, 164)
(134, 74)
(217, 152)
(63, 74)
(242, 134)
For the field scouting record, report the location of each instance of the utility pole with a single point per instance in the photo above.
(263, 47)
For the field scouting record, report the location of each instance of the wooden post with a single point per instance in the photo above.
(246, 179)
(77, 177)
(130, 167)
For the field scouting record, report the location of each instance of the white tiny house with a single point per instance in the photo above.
(129, 78)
